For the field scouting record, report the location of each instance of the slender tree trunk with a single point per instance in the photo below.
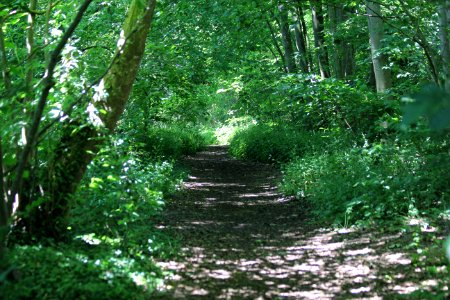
(301, 48)
(444, 14)
(349, 60)
(319, 38)
(432, 56)
(335, 15)
(4, 215)
(343, 50)
(15, 191)
(29, 76)
(287, 41)
(76, 150)
(30, 50)
(47, 29)
(275, 43)
(379, 60)
(301, 17)
(371, 81)
(3, 210)
(4, 63)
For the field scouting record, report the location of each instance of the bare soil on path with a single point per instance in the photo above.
(241, 239)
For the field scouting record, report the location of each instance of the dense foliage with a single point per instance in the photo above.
(350, 98)
(378, 182)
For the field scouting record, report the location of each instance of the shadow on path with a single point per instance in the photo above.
(242, 240)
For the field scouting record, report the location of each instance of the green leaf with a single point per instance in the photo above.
(432, 103)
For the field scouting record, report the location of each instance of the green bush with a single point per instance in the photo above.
(208, 136)
(120, 191)
(112, 237)
(52, 273)
(170, 142)
(266, 143)
(314, 104)
(383, 181)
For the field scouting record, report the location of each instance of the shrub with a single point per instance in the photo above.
(208, 136)
(266, 143)
(383, 181)
(317, 104)
(112, 235)
(170, 142)
(52, 273)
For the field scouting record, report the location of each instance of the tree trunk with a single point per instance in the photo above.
(335, 15)
(302, 22)
(319, 38)
(371, 81)
(4, 215)
(77, 148)
(287, 41)
(30, 50)
(3, 210)
(301, 39)
(444, 15)
(301, 48)
(343, 51)
(275, 43)
(4, 63)
(47, 30)
(380, 64)
(349, 60)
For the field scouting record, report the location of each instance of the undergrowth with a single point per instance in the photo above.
(280, 144)
(347, 152)
(382, 181)
(164, 142)
(112, 239)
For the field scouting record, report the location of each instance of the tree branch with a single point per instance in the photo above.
(275, 43)
(417, 37)
(48, 84)
(96, 82)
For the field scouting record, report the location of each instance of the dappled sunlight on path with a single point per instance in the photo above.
(241, 239)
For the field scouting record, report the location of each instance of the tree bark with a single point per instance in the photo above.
(76, 149)
(4, 62)
(444, 15)
(3, 210)
(32, 132)
(379, 60)
(47, 29)
(349, 60)
(301, 48)
(30, 50)
(319, 38)
(304, 31)
(287, 41)
(335, 15)
(4, 215)
(343, 51)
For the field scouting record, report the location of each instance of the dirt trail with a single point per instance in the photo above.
(242, 240)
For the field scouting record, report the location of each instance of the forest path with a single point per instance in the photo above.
(242, 240)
